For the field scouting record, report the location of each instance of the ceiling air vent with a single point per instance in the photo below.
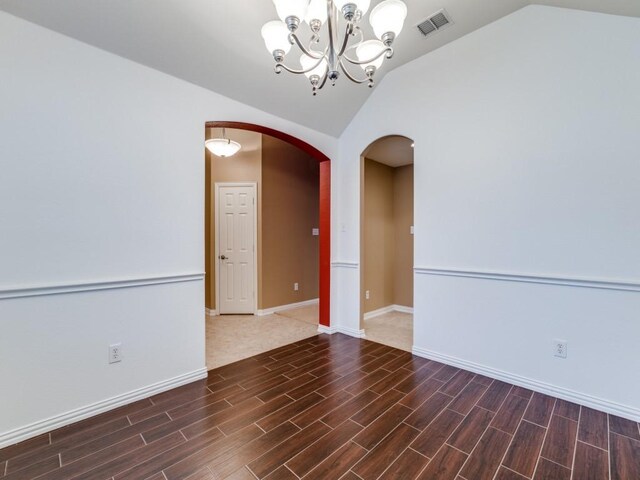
(435, 22)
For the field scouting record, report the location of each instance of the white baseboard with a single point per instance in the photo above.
(43, 426)
(327, 330)
(590, 401)
(388, 309)
(212, 312)
(350, 331)
(403, 309)
(271, 311)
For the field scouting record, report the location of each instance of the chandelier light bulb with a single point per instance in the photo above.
(388, 18)
(317, 11)
(291, 8)
(276, 37)
(368, 50)
(308, 62)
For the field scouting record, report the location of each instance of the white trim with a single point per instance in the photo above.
(89, 286)
(625, 285)
(327, 330)
(378, 312)
(271, 311)
(601, 404)
(403, 309)
(345, 264)
(352, 332)
(43, 426)
(387, 309)
(216, 242)
(212, 312)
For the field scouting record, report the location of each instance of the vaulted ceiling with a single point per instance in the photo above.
(216, 44)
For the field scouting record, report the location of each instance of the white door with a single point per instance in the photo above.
(236, 248)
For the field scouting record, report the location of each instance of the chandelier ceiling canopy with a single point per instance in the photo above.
(342, 46)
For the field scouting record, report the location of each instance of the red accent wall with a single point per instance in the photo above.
(325, 242)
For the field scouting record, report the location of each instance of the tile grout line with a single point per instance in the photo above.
(609, 444)
(514, 433)
(292, 472)
(544, 440)
(575, 447)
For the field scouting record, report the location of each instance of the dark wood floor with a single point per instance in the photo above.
(334, 407)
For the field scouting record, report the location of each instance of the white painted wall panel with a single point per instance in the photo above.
(526, 163)
(101, 180)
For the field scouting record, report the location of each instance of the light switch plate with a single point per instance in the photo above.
(315, 232)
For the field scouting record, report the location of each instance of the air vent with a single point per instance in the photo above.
(435, 22)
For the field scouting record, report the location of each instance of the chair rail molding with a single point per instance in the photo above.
(95, 285)
(341, 264)
(606, 284)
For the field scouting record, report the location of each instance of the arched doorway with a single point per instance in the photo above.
(386, 241)
(324, 206)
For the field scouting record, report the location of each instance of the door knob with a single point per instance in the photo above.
(222, 257)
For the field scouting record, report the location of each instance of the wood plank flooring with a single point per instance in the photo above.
(336, 407)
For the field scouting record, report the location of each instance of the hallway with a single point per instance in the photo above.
(235, 337)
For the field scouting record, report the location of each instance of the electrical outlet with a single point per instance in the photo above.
(560, 348)
(411, 230)
(115, 353)
(366, 295)
(315, 232)
(296, 287)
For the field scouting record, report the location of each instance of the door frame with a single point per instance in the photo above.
(216, 240)
(325, 208)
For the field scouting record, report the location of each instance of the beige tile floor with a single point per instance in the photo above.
(394, 329)
(308, 313)
(234, 337)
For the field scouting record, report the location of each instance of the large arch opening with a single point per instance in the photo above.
(386, 241)
(322, 165)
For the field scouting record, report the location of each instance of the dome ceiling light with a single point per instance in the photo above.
(222, 147)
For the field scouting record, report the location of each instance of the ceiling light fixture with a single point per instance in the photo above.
(222, 147)
(325, 58)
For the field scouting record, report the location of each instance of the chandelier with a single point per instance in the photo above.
(328, 54)
(222, 146)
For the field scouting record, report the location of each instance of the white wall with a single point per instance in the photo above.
(101, 185)
(526, 165)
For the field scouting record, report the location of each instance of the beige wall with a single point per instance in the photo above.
(378, 234)
(244, 166)
(290, 210)
(287, 206)
(387, 245)
(403, 240)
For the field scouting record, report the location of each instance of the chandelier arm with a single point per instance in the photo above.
(307, 52)
(388, 51)
(324, 80)
(347, 33)
(360, 33)
(297, 72)
(349, 76)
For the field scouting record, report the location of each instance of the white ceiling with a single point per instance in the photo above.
(217, 44)
(394, 150)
